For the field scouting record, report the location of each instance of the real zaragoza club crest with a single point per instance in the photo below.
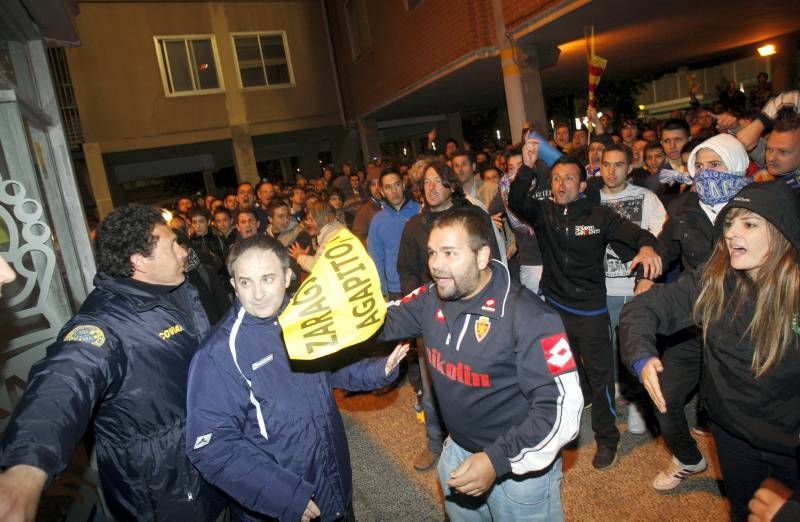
(482, 326)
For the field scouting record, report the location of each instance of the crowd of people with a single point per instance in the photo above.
(640, 261)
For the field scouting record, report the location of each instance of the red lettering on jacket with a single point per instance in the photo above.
(458, 372)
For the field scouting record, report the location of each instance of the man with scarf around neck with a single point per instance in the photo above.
(573, 231)
(120, 365)
(264, 429)
(717, 167)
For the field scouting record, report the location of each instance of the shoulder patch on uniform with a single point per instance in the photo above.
(558, 354)
(86, 333)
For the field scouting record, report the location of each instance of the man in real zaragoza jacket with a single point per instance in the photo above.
(503, 372)
(119, 368)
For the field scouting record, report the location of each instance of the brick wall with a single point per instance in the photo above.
(406, 46)
(515, 12)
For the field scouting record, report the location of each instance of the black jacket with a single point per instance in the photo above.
(502, 369)
(412, 258)
(573, 241)
(688, 234)
(764, 411)
(120, 366)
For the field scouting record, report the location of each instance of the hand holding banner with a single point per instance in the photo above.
(338, 305)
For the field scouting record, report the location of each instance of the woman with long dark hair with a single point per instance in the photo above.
(746, 299)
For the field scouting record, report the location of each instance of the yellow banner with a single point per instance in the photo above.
(338, 305)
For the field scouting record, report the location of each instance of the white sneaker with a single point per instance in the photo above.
(636, 424)
(669, 479)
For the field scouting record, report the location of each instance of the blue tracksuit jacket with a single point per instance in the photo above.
(269, 435)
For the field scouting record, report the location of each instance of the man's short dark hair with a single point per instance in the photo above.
(223, 210)
(200, 212)
(453, 141)
(516, 151)
(787, 124)
(246, 211)
(387, 171)
(471, 221)
(274, 205)
(674, 124)
(691, 145)
(462, 152)
(620, 147)
(559, 125)
(126, 231)
(570, 160)
(653, 145)
(258, 242)
(486, 168)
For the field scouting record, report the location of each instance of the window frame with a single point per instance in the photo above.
(286, 52)
(163, 64)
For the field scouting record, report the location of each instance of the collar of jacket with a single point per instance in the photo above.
(251, 319)
(386, 204)
(493, 300)
(579, 207)
(141, 300)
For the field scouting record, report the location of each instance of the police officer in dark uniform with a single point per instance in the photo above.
(118, 367)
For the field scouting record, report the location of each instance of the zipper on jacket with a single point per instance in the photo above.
(463, 331)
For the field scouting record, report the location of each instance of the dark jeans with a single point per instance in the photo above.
(590, 341)
(682, 364)
(745, 467)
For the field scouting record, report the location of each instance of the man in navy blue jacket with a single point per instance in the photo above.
(261, 430)
(119, 365)
(503, 371)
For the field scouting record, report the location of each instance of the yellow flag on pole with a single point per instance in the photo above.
(340, 303)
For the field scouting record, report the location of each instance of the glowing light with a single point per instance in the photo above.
(405, 151)
(767, 50)
(577, 123)
(166, 215)
(642, 107)
(498, 133)
(599, 114)
(552, 124)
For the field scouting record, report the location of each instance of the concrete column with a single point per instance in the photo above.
(784, 64)
(521, 79)
(512, 81)
(208, 181)
(370, 141)
(244, 158)
(98, 179)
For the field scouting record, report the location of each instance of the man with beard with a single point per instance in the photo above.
(443, 193)
(502, 368)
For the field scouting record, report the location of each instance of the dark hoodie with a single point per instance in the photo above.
(573, 241)
(764, 411)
